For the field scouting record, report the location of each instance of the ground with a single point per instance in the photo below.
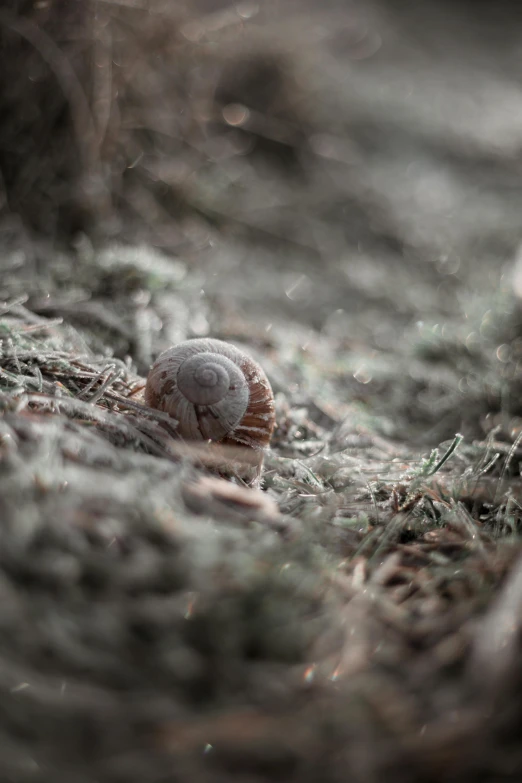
(335, 190)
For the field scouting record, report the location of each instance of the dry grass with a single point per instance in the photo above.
(359, 618)
(337, 613)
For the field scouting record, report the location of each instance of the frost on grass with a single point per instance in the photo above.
(334, 199)
(179, 618)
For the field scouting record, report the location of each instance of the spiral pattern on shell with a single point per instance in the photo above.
(215, 391)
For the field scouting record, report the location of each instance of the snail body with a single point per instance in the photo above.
(215, 392)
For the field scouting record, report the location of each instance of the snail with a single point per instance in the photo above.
(215, 392)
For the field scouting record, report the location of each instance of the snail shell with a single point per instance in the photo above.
(215, 391)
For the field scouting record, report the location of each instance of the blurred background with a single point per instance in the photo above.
(339, 179)
(335, 186)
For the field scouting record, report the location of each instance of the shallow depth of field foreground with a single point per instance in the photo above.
(335, 188)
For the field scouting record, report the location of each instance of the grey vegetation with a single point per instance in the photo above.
(335, 188)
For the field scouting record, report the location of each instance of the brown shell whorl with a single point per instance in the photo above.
(215, 391)
(257, 424)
